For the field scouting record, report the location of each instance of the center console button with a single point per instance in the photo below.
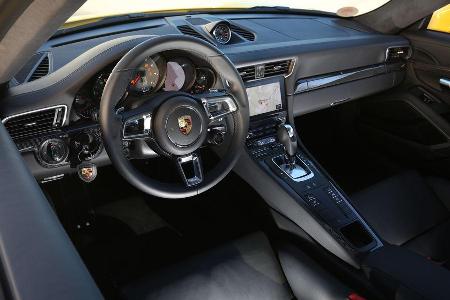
(312, 201)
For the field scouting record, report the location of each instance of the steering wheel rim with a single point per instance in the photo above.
(111, 122)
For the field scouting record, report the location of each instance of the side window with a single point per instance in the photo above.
(440, 21)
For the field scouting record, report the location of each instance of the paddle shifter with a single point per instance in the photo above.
(287, 137)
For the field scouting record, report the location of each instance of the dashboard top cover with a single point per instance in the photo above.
(317, 44)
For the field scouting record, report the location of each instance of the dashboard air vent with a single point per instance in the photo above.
(41, 70)
(249, 36)
(395, 54)
(277, 68)
(247, 73)
(282, 67)
(188, 30)
(34, 123)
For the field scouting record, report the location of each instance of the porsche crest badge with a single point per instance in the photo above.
(185, 124)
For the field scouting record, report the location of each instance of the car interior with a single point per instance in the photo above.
(264, 152)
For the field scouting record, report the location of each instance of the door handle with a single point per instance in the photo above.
(445, 82)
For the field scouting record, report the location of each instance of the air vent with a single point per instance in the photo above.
(188, 30)
(249, 36)
(395, 54)
(277, 68)
(41, 70)
(35, 123)
(282, 67)
(247, 73)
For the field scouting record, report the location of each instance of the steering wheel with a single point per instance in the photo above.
(175, 124)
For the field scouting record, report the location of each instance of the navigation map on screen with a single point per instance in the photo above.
(264, 98)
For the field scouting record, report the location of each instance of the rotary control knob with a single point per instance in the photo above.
(53, 151)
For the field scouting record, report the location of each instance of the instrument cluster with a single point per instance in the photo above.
(157, 73)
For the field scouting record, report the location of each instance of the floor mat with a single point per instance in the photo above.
(135, 213)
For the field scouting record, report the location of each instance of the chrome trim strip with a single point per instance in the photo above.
(39, 110)
(445, 82)
(147, 127)
(52, 178)
(305, 85)
(340, 101)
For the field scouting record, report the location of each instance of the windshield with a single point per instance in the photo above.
(94, 10)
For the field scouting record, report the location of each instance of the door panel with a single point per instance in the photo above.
(430, 61)
(412, 124)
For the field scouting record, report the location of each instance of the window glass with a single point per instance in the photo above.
(95, 10)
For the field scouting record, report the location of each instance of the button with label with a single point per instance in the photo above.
(312, 200)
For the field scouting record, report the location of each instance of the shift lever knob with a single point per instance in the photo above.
(287, 137)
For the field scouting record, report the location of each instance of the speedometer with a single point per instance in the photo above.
(149, 76)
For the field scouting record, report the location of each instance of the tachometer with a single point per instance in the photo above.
(180, 74)
(149, 76)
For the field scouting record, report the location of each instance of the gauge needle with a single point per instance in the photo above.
(136, 79)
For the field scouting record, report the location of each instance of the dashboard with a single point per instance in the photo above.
(291, 65)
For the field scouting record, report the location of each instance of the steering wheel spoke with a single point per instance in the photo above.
(218, 104)
(190, 169)
(137, 127)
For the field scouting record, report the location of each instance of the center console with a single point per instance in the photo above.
(273, 145)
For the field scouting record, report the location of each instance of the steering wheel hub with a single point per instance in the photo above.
(180, 125)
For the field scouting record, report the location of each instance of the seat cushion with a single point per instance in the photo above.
(434, 243)
(409, 210)
(244, 269)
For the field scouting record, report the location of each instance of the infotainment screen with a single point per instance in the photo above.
(264, 98)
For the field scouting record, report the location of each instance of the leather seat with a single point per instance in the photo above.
(411, 211)
(244, 269)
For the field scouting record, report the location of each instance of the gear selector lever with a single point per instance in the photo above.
(290, 163)
(287, 137)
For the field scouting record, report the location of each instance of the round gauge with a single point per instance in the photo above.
(204, 80)
(222, 33)
(99, 85)
(180, 74)
(149, 76)
(85, 107)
